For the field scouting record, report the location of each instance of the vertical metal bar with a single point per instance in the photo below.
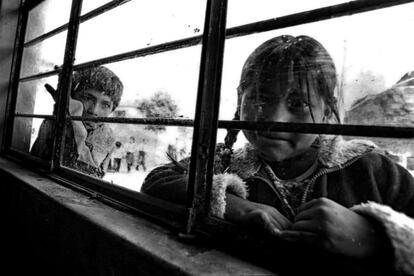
(208, 99)
(65, 83)
(15, 75)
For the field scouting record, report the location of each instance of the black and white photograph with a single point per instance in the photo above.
(207, 137)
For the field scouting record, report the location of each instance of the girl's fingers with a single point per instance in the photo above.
(306, 225)
(306, 214)
(273, 227)
(300, 236)
(307, 205)
(282, 221)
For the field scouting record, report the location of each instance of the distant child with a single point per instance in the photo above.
(117, 154)
(141, 156)
(131, 149)
(96, 92)
(344, 197)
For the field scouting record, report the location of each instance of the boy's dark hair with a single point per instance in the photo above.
(118, 144)
(100, 79)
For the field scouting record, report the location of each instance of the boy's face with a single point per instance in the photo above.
(95, 104)
(274, 101)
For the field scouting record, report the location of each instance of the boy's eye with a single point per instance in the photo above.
(106, 105)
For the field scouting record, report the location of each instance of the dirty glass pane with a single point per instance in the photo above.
(240, 11)
(34, 98)
(44, 56)
(47, 16)
(159, 86)
(89, 5)
(124, 154)
(139, 24)
(399, 150)
(357, 67)
(374, 79)
(27, 136)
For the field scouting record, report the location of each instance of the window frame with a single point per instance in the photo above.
(194, 216)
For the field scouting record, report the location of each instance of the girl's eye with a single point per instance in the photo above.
(297, 104)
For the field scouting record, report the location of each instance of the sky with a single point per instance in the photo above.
(380, 42)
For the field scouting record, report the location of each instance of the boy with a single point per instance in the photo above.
(96, 92)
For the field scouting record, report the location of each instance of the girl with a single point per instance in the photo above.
(342, 196)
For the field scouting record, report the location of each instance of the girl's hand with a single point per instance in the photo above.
(255, 215)
(325, 223)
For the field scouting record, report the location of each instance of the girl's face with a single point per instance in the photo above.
(276, 101)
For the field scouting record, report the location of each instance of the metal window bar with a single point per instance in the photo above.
(141, 121)
(207, 108)
(14, 76)
(156, 49)
(65, 83)
(314, 128)
(315, 15)
(330, 12)
(94, 13)
(21, 155)
(39, 116)
(247, 125)
(31, 4)
(162, 211)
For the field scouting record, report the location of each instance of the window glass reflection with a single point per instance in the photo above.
(47, 16)
(143, 24)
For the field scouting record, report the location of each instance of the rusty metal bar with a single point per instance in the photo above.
(156, 49)
(98, 11)
(40, 116)
(64, 84)
(41, 75)
(315, 15)
(14, 76)
(20, 156)
(208, 99)
(159, 210)
(141, 121)
(336, 129)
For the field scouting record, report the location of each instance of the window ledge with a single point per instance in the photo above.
(98, 237)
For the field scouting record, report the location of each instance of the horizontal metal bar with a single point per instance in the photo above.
(141, 121)
(156, 49)
(174, 45)
(336, 129)
(320, 14)
(261, 26)
(243, 30)
(100, 10)
(41, 75)
(25, 157)
(42, 116)
(166, 212)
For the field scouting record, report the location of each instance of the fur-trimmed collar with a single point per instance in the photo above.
(334, 152)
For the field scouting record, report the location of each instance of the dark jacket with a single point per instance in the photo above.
(351, 173)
